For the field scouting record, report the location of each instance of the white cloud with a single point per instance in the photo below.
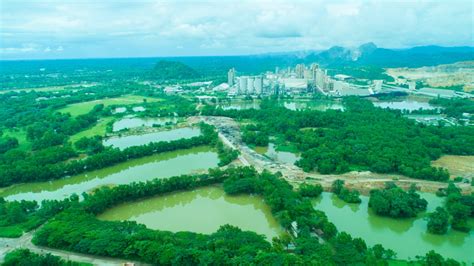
(105, 28)
(347, 9)
(24, 48)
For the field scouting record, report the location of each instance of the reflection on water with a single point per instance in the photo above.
(137, 140)
(407, 237)
(157, 166)
(240, 105)
(319, 105)
(202, 210)
(280, 156)
(409, 105)
(133, 122)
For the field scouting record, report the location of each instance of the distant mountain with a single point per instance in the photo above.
(174, 70)
(370, 55)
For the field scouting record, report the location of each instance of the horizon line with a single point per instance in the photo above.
(223, 55)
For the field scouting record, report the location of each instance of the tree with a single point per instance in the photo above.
(438, 221)
(312, 191)
(394, 202)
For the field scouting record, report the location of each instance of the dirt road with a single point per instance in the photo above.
(229, 133)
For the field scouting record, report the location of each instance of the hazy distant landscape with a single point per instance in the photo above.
(225, 133)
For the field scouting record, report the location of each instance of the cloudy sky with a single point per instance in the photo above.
(100, 28)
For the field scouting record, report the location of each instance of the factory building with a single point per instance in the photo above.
(242, 85)
(258, 85)
(231, 77)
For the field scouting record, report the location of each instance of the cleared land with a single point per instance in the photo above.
(457, 165)
(84, 107)
(460, 74)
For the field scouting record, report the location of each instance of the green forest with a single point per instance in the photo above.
(362, 137)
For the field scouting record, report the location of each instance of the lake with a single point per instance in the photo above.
(407, 237)
(134, 122)
(409, 105)
(156, 166)
(279, 156)
(123, 142)
(202, 210)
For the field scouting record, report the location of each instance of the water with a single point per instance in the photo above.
(137, 140)
(279, 156)
(133, 122)
(138, 109)
(202, 210)
(289, 104)
(409, 105)
(156, 166)
(407, 237)
(120, 110)
(312, 105)
(240, 105)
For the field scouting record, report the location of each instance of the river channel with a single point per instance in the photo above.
(156, 166)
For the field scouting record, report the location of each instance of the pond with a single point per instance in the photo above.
(409, 105)
(120, 110)
(133, 122)
(123, 142)
(202, 210)
(279, 156)
(311, 105)
(294, 105)
(156, 166)
(240, 105)
(139, 109)
(407, 237)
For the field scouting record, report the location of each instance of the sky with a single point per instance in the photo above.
(49, 29)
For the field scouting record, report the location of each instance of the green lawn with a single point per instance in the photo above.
(20, 135)
(98, 129)
(13, 231)
(84, 107)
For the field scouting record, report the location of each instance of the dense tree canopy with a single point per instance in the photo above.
(394, 202)
(362, 137)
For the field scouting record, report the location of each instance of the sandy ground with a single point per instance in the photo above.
(457, 165)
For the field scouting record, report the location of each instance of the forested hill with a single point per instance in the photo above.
(370, 55)
(167, 70)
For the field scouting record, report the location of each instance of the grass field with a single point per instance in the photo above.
(13, 231)
(84, 107)
(49, 89)
(98, 129)
(20, 135)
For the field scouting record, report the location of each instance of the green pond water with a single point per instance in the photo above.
(240, 105)
(280, 156)
(133, 122)
(123, 142)
(156, 166)
(409, 105)
(312, 105)
(407, 237)
(320, 105)
(202, 210)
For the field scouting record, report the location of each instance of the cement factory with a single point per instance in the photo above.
(298, 80)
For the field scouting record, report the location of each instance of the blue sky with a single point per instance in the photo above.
(99, 28)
